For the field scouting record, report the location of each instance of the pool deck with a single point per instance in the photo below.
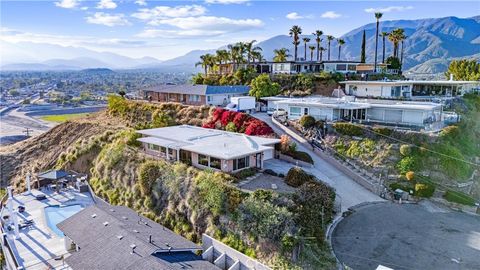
(38, 246)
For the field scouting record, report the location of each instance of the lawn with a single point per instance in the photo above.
(458, 197)
(60, 118)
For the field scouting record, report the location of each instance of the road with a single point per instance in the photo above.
(348, 191)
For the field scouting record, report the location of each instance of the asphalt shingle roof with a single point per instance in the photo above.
(105, 234)
(199, 89)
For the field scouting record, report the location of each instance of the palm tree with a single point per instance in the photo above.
(256, 55)
(383, 35)
(322, 49)
(206, 61)
(318, 38)
(305, 41)
(378, 15)
(340, 42)
(295, 31)
(237, 52)
(281, 55)
(396, 36)
(250, 49)
(312, 49)
(401, 54)
(221, 57)
(329, 38)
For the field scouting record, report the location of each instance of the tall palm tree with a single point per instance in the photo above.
(318, 38)
(305, 41)
(250, 48)
(340, 42)
(322, 49)
(237, 52)
(206, 61)
(281, 55)
(312, 49)
(384, 35)
(221, 57)
(329, 38)
(401, 54)
(378, 16)
(396, 36)
(295, 32)
(257, 55)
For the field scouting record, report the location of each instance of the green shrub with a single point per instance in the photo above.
(383, 131)
(406, 164)
(297, 177)
(458, 197)
(405, 150)
(450, 132)
(348, 129)
(403, 186)
(245, 173)
(211, 190)
(148, 173)
(424, 190)
(300, 155)
(234, 241)
(307, 121)
(231, 127)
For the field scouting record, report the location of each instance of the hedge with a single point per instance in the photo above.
(383, 131)
(458, 197)
(307, 121)
(300, 155)
(348, 129)
(424, 190)
(297, 177)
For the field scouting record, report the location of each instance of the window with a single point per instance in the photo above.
(241, 163)
(163, 150)
(156, 147)
(215, 163)
(209, 98)
(194, 98)
(341, 67)
(202, 160)
(352, 67)
(295, 111)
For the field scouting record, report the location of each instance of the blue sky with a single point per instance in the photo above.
(166, 29)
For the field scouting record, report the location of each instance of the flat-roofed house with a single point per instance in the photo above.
(208, 148)
(196, 94)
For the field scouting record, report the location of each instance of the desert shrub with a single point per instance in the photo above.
(231, 127)
(405, 150)
(406, 164)
(245, 173)
(132, 137)
(450, 132)
(424, 190)
(383, 131)
(314, 208)
(307, 121)
(148, 173)
(458, 197)
(262, 195)
(410, 175)
(264, 219)
(348, 129)
(234, 241)
(297, 177)
(211, 190)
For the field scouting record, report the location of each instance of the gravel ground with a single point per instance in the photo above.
(408, 236)
(265, 181)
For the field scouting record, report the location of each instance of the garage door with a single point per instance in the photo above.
(268, 154)
(394, 116)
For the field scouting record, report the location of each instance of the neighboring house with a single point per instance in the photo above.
(410, 89)
(208, 148)
(196, 94)
(423, 115)
(295, 67)
(340, 66)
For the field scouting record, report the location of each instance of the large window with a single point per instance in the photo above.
(295, 111)
(194, 98)
(215, 163)
(203, 160)
(241, 163)
(341, 67)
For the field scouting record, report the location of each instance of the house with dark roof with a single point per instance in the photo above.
(103, 236)
(192, 94)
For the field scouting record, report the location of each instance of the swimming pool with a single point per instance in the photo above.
(56, 214)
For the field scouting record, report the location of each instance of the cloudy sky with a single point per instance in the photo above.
(166, 29)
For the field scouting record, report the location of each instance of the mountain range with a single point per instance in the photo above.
(430, 45)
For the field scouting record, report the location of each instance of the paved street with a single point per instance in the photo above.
(349, 192)
(408, 236)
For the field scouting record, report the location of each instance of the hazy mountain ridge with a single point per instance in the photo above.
(430, 45)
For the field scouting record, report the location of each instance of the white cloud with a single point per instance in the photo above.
(226, 2)
(161, 33)
(388, 9)
(296, 16)
(331, 15)
(106, 4)
(67, 3)
(107, 19)
(141, 2)
(155, 14)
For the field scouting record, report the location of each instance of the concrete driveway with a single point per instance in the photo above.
(349, 192)
(408, 237)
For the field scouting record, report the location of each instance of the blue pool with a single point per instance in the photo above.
(56, 214)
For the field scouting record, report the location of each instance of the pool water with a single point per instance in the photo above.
(56, 214)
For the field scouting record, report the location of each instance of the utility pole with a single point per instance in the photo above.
(27, 132)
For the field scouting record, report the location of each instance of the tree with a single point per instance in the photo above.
(122, 93)
(305, 41)
(329, 38)
(378, 16)
(206, 61)
(393, 62)
(312, 49)
(363, 56)
(262, 86)
(14, 93)
(251, 50)
(384, 35)
(295, 33)
(322, 49)
(396, 36)
(464, 70)
(318, 39)
(341, 42)
(281, 55)
(222, 57)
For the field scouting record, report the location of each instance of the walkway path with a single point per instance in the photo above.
(349, 192)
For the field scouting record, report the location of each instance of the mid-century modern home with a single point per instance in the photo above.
(409, 89)
(208, 148)
(423, 115)
(195, 94)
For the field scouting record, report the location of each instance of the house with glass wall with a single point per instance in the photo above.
(208, 148)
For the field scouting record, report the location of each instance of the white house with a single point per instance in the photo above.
(208, 148)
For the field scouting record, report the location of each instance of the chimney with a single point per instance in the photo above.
(132, 246)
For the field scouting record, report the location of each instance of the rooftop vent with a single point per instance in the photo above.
(105, 223)
(124, 217)
(94, 215)
(135, 231)
(112, 210)
(120, 237)
(132, 246)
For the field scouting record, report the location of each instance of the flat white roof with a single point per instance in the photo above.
(216, 143)
(397, 82)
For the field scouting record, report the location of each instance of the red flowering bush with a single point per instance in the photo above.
(257, 127)
(227, 117)
(242, 121)
(239, 120)
(217, 114)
